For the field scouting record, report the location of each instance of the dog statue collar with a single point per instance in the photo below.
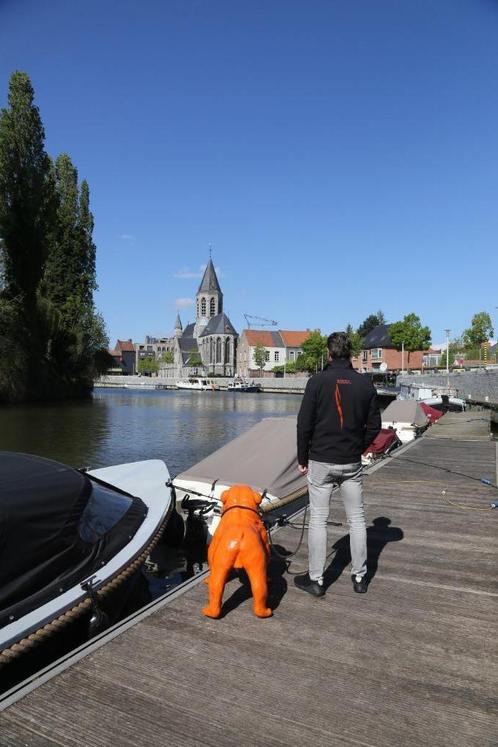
(246, 508)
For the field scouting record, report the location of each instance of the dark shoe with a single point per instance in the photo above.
(361, 585)
(304, 582)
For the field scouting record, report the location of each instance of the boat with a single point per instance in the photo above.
(442, 398)
(445, 403)
(406, 417)
(263, 457)
(243, 385)
(69, 538)
(384, 443)
(196, 384)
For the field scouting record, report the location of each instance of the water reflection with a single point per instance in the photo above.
(118, 426)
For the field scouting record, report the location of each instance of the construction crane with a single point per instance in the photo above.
(260, 321)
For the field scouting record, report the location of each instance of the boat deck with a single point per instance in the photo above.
(412, 662)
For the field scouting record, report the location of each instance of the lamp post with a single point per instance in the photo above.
(447, 331)
(403, 357)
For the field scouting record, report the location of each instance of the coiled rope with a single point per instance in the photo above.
(40, 635)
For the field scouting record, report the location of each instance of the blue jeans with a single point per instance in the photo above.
(321, 480)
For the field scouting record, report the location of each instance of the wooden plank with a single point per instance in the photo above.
(411, 662)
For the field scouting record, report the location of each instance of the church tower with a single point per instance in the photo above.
(209, 299)
(178, 326)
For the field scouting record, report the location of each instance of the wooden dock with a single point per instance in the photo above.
(412, 662)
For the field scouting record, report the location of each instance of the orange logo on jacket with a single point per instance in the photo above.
(240, 541)
(338, 399)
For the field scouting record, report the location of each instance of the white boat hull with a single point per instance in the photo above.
(145, 479)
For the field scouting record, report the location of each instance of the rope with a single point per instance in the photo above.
(38, 636)
(443, 493)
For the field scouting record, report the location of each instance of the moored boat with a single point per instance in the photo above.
(263, 457)
(384, 443)
(243, 385)
(197, 384)
(406, 417)
(69, 538)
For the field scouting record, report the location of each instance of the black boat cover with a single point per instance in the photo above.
(42, 552)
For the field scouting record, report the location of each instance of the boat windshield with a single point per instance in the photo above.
(104, 509)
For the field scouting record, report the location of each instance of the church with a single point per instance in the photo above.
(212, 338)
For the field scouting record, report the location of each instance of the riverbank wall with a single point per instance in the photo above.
(480, 387)
(290, 385)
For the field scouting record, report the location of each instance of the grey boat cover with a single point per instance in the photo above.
(405, 411)
(263, 457)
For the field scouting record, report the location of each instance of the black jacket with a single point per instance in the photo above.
(339, 416)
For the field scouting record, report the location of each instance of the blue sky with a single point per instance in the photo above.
(339, 156)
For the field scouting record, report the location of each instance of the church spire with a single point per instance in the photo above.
(209, 282)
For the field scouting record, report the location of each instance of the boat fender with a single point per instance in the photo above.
(99, 620)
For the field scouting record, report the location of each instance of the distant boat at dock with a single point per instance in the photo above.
(243, 385)
(197, 384)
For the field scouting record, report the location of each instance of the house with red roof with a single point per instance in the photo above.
(281, 347)
(124, 356)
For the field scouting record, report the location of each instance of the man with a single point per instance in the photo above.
(339, 417)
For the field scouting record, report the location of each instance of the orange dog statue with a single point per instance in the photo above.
(240, 541)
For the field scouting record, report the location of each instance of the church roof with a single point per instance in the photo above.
(178, 322)
(209, 282)
(219, 325)
(187, 341)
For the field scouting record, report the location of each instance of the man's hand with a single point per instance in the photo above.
(302, 469)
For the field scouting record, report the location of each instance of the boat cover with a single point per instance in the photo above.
(432, 413)
(405, 411)
(384, 439)
(41, 549)
(263, 457)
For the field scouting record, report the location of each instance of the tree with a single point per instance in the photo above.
(289, 368)
(370, 323)
(168, 357)
(410, 334)
(48, 322)
(27, 204)
(195, 360)
(148, 365)
(315, 353)
(260, 356)
(480, 330)
(356, 340)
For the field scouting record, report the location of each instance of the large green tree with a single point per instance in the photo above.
(315, 353)
(410, 334)
(49, 329)
(27, 214)
(480, 330)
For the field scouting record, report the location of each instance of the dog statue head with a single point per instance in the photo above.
(240, 495)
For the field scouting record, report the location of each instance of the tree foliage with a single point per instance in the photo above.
(49, 329)
(315, 353)
(356, 340)
(370, 323)
(148, 365)
(195, 359)
(411, 334)
(168, 357)
(480, 330)
(260, 353)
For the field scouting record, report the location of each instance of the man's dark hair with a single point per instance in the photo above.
(339, 345)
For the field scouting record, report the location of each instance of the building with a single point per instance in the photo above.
(379, 354)
(153, 347)
(124, 356)
(282, 347)
(211, 341)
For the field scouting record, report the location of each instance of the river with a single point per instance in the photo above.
(125, 425)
